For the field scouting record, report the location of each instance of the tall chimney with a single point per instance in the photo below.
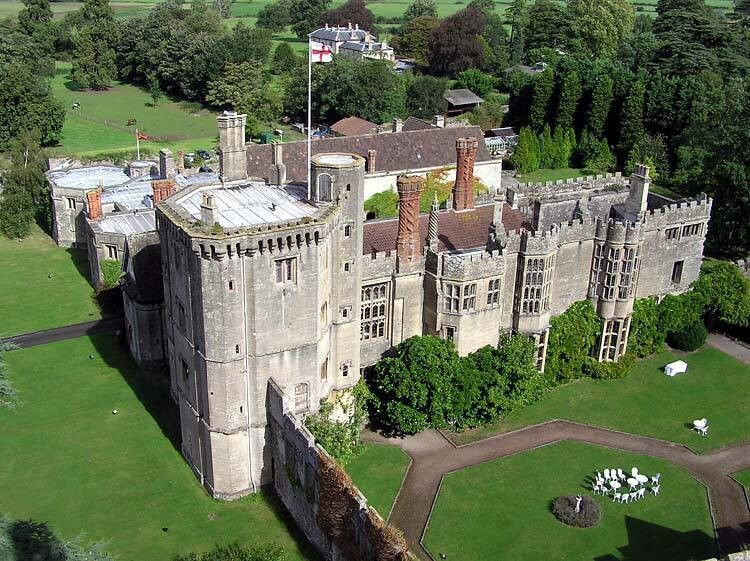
(438, 121)
(232, 151)
(637, 201)
(95, 204)
(398, 125)
(166, 163)
(463, 191)
(208, 210)
(278, 169)
(432, 227)
(371, 160)
(180, 162)
(162, 188)
(408, 246)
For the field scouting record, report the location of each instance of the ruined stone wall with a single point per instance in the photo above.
(331, 512)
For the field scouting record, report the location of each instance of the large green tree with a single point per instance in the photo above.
(600, 104)
(631, 119)
(93, 62)
(424, 96)
(568, 95)
(350, 12)
(419, 9)
(544, 85)
(548, 26)
(26, 103)
(413, 38)
(25, 194)
(601, 25)
(455, 44)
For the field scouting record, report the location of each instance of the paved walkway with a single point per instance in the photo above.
(433, 456)
(729, 346)
(74, 331)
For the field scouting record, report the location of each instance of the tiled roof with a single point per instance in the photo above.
(456, 230)
(396, 151)
(339, 33)
(352, 126)
(415, 124)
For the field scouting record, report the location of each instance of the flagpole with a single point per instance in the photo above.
(137, 145)
(309, 114)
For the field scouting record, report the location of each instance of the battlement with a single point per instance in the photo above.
(618, 231)
(698, 208)
(477, 264)
(552, 188)
(544, 241)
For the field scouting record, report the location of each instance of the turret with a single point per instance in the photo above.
(232, 152)
(637, 201)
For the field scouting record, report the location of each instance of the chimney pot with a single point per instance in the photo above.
(438, 121)
(162, 188)
(398, 125)
(371, 160)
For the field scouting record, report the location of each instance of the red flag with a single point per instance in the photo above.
(320, 52)
(143, 136)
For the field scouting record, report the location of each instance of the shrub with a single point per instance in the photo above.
(564, 509)
(111, 273)
(646, 332)
(690, 338)
(233, 552)
(572, 335)
(610, 370)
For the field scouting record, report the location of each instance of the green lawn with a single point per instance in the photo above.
(100, 124)
(744, 478)
(69, 461)
(647, 402)
(501, 510)
(29, 299)
(544, 175)
(378, 473)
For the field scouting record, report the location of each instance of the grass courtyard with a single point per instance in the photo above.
(501, 510)
(648, 403)
(378, 473)
(744, 478)
(29, 298)
(68, 461)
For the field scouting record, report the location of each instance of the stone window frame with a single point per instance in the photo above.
(692, 229)
(72, 204)
(321, 186)
(614, 339)
(345, 312)
(537, 284)
(375, 311)
(672, 233)
(452, 297)
(302, 395)
(469, 298)
(285, 270)
(450, 332)
(678, 268)
(493, 292)
(112, 251)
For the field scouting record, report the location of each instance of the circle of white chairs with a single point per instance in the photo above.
(615, 481)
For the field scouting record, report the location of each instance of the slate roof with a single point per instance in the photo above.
(364, 46)
(416, 124)
(352, 126)
(456, 230)
(396, 151)
(338, 34)
(462, 97)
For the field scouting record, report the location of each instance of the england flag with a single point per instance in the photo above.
(320, 52)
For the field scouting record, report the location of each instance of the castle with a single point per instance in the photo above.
(239, 283)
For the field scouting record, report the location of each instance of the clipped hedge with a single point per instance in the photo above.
(690, 338)
(564, 509)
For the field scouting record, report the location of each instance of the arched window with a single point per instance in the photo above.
(324, 187)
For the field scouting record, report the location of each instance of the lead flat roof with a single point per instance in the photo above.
(130, 223)
(250, 204)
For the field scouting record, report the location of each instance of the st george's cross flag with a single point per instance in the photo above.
(320, 52)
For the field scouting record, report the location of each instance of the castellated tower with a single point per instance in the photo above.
(232, 151)
(269, 289)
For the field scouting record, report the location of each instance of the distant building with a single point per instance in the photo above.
(500, 141)
(353, 42)
(353, 126)
(535, 69)
(461, 101)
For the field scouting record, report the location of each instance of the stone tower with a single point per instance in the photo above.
(232, 152)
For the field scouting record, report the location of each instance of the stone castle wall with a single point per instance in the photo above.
(331, 512)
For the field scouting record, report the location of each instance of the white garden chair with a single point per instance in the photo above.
(655, 489)
(625, 498)
(606, 475)
(634, 472)
(620, 475)
(655, 478)
(616, 497)
(641, 492)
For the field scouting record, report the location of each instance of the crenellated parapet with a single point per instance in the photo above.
(545, 241)
(692, 210)
(468, 266)
(378, 264)
(619, 232)
(523, 192)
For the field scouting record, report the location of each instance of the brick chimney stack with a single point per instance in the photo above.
(371, 160)
(95, 204)
(408, 246)
(162, 188)
(463, 191)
